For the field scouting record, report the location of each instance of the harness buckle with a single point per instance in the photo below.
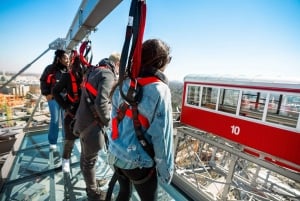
(88, 100)
(143, 143)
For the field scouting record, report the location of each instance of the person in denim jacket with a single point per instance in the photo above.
(131, 162)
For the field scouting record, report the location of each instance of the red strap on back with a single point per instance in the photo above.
(50, 79)
(114, 127)
(147, 80)
(74, 89)
(135, 70)
(143, 120)
(90, 88)
(115, 133)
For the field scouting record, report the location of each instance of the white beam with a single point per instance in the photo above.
(88, 16)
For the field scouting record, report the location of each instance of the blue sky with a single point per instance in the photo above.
(240, 37)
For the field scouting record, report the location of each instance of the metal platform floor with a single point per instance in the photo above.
(36, 174)
(206, 168)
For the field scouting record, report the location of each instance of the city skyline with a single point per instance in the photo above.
(251, 37)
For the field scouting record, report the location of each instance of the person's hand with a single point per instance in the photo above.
(49, 97)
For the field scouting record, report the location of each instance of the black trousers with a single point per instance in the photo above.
(69, 137)
(92, 141)
(67, 127)
(144, 181)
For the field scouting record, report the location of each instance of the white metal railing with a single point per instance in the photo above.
(210, 168)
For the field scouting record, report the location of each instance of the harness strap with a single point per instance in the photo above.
(148, 80)
(74, 89)
(142, 120)
(135, 26)
(91, 105)
(131, 111)
(141, 181)
(111, 185)
(90, 94)
(138, 46)
(134, 37)
(84, 47)
(123, 111)
(90, 88)
(50, 79)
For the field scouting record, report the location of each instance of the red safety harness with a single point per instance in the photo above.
(130, 109)
(90, 95)
(134, 37)
(88, 86)
(84, 50)
(75, 88)
(51, 77)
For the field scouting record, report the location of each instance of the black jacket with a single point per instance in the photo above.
(102, 79)
(50, 77)
(64, 88)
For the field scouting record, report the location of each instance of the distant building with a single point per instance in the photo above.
(21, 85)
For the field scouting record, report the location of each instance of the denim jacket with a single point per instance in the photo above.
(156, 106)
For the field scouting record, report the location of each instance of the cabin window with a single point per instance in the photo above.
(228, 100)
(283, 109)
(253, 104)
(193, 95)
(209, 97)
